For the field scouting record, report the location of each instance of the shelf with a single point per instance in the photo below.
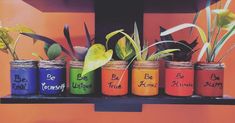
(150, 6)
(113, 104)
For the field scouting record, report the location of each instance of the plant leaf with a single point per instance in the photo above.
(221, 43)
(194, 21)
(67, 36)
(80, 52)
(4, 37)
(135, 46)
(88, 37)
(47, 40)
(136, 36)
(110, 35)
(54, 51)
(203, 50)
(224, 17)
(124, 49)
(158, 54)
(187, 25)
(145, 53)
(96, 57)
(227, 4)
(208, 16)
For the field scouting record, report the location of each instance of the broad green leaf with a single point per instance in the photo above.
(145, 53)
(124, 49)
(38, 56)
(135, 46)
(203, 50)
(224, 17)
(221, 43)
(54, 51)
(96, 57)
(136, 36)
(110, 35)
(161, 53)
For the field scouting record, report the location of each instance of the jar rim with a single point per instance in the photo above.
(179, 64)
(211, 65)
(51, 63)
(146, 64)
(116, 64)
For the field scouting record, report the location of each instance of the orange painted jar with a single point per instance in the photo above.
(209, 79)
(114, 78)
(179, 78)
(145, 78)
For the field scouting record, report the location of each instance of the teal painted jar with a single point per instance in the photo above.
(80, 85)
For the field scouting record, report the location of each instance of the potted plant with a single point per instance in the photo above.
(179, 70)
(23, 72)
(210, 73)
(145, 72)
(114, 75)
(79, 85)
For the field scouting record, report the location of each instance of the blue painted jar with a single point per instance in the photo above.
(24, 79)
(52, 77)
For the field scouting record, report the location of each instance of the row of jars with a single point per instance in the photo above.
(181, 78)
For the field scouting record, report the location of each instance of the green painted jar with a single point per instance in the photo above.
(80, 85)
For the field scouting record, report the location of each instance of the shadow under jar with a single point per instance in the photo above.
(209, 79)
(179, 78)
(24, 77)
(52, 77)
(80, 85)
(145, 78)
(114, 81)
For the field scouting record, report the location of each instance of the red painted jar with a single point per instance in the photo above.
(114, 78)
(179, 78)
(209, 79)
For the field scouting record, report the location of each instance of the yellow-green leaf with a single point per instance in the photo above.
(5, 38)
(123, 49)
(110, 35)
(224, 17)
(96, 57)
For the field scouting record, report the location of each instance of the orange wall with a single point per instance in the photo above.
(51, 24)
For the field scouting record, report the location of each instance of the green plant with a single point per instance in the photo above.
(54, 50)
(185, 53)
(7, 43)
(214, 41)
(98, 55)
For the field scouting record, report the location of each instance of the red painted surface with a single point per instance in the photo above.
(114, 82)
(209, 82)
(179, 82)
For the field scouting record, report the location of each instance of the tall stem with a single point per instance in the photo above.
(15, 57)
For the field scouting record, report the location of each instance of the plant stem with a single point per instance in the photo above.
(15, 57)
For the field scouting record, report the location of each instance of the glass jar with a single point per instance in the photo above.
(24, 77)
(52, 77)
(209, 79)
(79, 84)
(114, 81)
(145, 78)
(179, 78)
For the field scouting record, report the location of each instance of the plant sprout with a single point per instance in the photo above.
(214, 40)
(185, 53)
(7, 43)
(98, 55)
(53, 49)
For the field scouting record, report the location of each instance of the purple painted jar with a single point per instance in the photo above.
(52, 77)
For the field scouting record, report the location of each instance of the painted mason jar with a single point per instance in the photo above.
(79, 84)
(114, 81)
(179, 78)
(209, 79)
(52, 77)
(145, 78)
(24, 79)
